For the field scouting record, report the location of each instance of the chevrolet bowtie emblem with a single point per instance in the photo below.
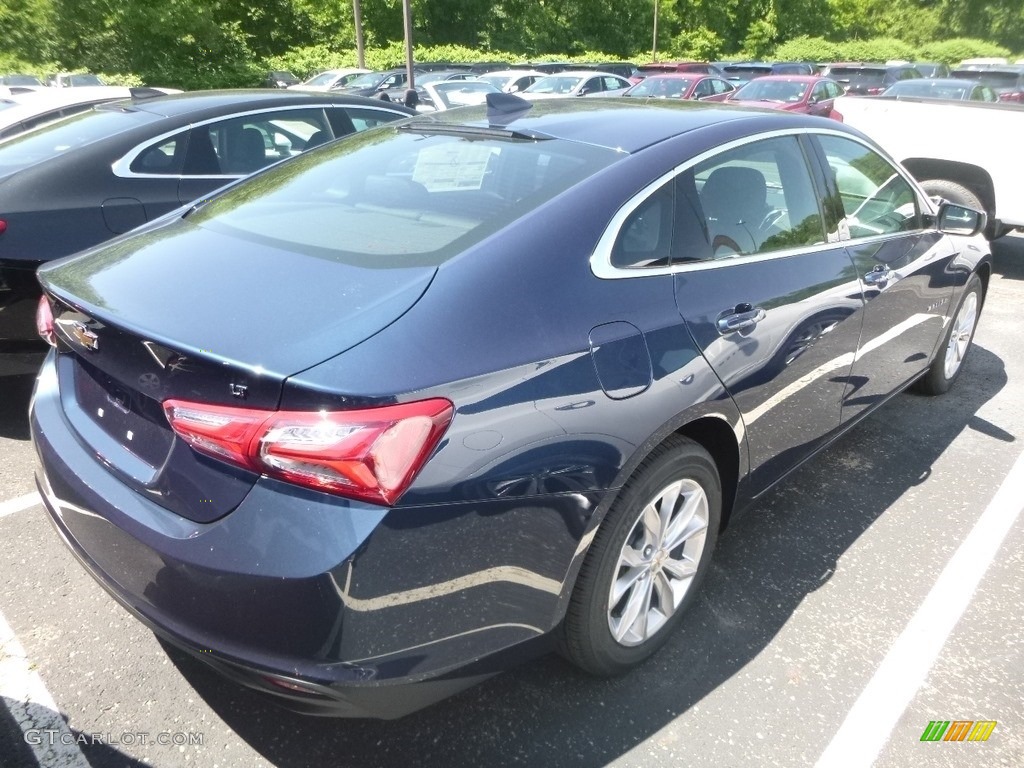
(84, 336)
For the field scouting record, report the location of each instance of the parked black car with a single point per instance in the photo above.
(1006, 80)
(744, 71)
(390, 82)
(380, 421)
(100, 173)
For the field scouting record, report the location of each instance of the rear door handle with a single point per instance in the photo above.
(741, 318)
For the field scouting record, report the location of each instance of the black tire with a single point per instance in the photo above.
(587, 639)
(939, 379)
(953, 192)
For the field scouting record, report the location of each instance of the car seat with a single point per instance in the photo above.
(734, 199)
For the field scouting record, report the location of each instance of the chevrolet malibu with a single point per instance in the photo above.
(398, 412)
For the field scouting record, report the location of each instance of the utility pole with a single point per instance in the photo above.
(357, 14)
(407, 16)
(654, 44)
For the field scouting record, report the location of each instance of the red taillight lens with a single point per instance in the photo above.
(3, 226)
(875, 91)
(44, 321)
(371, 454)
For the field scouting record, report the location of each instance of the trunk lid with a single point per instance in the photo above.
(184, 312)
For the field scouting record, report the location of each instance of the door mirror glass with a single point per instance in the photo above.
(958, 220)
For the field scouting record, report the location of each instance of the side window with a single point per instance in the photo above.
(721, 86)
(612, 84)
(759, 198)
(163, 158)
(645, 239)
(820, 92)
(243, 145)
(877, 200)
(363, 118)
(704, 88)
(834, 91)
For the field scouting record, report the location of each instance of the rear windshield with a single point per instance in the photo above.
(734, 72)
(859, 73)
(925, 87)
(991, 79)
(388, 197)
(58, 138)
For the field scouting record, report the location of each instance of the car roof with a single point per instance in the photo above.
(792, 79)
(514, 72)
(239, 100)
(623, 124)
(584, 73)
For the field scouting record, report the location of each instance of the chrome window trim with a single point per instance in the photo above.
(122, 167)
(601, 259)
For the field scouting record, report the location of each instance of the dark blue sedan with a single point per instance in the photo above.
(397, 412)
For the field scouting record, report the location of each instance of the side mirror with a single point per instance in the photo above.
(957, 220)
(513, 89)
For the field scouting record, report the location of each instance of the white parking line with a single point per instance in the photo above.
(18, 504)
(869, 723)
(33, 708)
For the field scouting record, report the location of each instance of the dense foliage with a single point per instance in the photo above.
(201, 43)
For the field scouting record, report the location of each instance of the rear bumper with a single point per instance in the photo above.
(334, 607)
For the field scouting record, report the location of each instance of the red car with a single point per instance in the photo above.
(693, 85)
(809, 94)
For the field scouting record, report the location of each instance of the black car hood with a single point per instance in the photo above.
(260, 306)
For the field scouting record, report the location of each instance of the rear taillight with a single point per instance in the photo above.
(371, 454)
(3, 226)
(875, 91)
(44, 321)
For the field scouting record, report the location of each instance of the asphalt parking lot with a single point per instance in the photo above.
(876, 590)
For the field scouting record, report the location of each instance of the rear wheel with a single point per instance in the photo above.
(948, 363)
(647, 560)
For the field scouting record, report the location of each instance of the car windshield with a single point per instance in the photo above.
(324, 78)
(497, 82)
(660, 87)
(32, 147)
(463, 93)
(21, 80)
(555, 84)
(83, 80)
(369, 80)
(390, 197)
(772, 90)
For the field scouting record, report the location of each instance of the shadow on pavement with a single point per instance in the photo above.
(546, 713)
(50, 748)
(1008, 255)
(15, 392)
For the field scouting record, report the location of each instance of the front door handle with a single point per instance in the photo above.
(879, 277)
(742, 317)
